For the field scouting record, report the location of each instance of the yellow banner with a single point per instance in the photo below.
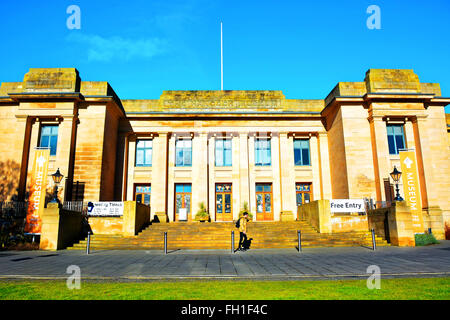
(38, 190)
(411, 188)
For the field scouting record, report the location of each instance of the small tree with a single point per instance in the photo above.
(202, 213)
(245, 210)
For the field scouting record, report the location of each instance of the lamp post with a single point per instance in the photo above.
(57, 177)
(395, 175)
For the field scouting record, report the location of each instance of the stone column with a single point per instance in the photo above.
(159, 175)
(251, 176)
(211, 178)
(199, 172)
(244, 187)
(380, 152)
(236, 174)
(287, 175)
(171, 178)
(276, 171)
(314, 150)
(325, 176)
(64, 155)
(131, 164)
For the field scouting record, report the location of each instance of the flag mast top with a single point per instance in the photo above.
(221, 57)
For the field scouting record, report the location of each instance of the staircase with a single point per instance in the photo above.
(217, 235)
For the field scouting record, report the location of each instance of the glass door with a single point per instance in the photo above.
(303, 195)
(264, 207)
(224, 206)
(183, 195)
(143, 194)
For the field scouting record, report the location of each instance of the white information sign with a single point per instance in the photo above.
(105, 209)
(347, 205)
(182, 214)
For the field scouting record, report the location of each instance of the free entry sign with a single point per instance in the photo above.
(347, 205)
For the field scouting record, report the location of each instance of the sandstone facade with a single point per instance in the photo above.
(98, 136)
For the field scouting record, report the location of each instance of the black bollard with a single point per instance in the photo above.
(374, 244)
(165, 242)
(88, 243)
(299, 236)
(232, 241)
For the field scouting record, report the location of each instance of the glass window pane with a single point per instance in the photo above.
(227, 203)
(298, 157)
(140, 157)
(259, 188)
(305, 157)
(399, 142)
(148, 156)
(219, 203)
(187, 202)
(139, 198)
(54, 130)
(179, 188)
(44, 142)
(140, 144)
(299, 199)
(268, 202)
(391, 143)
(147, 198)
(53, 144)
(307, 197)
(178, 203)
(267, 188)
(188, 158)
(398, 130)
(46, 130)
(259, 203)
(219, 157)
(228, 160)
(179, 159)
(187, 188)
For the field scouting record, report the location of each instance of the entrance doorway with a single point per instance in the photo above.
(183, 196)
(303, 195)
(143, 193)
(264, 207)
(224, 202)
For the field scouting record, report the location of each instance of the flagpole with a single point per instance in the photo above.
(221, 57)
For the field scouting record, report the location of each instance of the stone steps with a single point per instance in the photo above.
(218, 236)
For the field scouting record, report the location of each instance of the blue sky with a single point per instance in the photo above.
(300, 47)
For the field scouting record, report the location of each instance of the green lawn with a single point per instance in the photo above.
(413, 288)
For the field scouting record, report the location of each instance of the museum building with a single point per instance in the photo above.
(224, 149)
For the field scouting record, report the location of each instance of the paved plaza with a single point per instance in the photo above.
(270, 264)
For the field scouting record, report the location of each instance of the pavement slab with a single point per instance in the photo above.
(266, 264)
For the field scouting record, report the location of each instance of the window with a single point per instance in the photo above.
(223, 153)
(262, 152)
(49, 138)
(143, 194)
(144, 153)
(301, 152)
(396, 138)
(183, 153)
